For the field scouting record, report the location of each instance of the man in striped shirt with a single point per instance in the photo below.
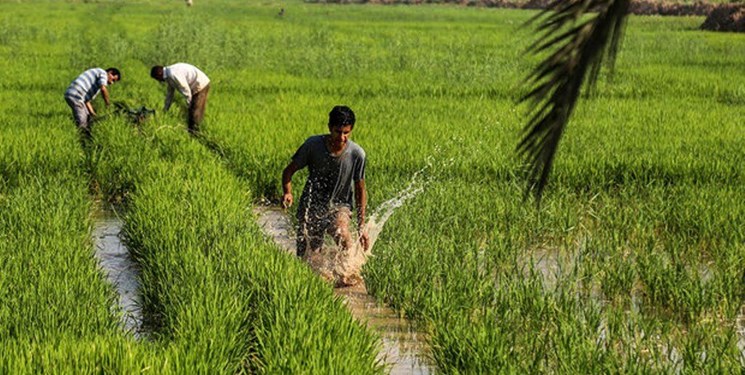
(84, 89)
(191, 82)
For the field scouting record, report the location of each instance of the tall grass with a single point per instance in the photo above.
(635, 254)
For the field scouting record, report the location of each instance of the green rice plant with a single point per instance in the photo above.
(57, 313)
(435, 90)
(209, 276)
(632, 264)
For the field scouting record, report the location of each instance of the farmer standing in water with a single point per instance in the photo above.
(336, 165)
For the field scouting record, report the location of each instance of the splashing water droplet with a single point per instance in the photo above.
(333, 262)
(348, 266)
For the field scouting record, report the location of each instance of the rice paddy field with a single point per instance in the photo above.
(633, 263)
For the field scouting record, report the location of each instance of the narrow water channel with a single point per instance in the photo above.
(403, 349)
(114, 259)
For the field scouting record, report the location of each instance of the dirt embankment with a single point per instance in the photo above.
(639, 7)
(726, 18)
(720, 17)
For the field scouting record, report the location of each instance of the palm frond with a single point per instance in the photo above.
(580, 44)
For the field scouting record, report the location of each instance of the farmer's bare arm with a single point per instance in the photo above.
(105, 94)
(169, 98)
(287, 183)
(360, 198)
(90, 108)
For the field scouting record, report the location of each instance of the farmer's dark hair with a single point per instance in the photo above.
(156, 71)
(341, 115)
(115, 72)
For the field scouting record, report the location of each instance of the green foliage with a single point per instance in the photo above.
(57, 312)
(634, 263)
(209, 279)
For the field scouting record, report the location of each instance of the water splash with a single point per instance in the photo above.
(381, 215)
(347, 265)
(334, 263)
(403, 349)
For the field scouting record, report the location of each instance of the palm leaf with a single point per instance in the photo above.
(580, 43)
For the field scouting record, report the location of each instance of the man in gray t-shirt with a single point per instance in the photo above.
(336, 164)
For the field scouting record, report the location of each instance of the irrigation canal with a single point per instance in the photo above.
(402, 348)
(121, 271)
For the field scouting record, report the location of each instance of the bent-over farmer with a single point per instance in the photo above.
(337, 166)
(84, 89)
(191, 82)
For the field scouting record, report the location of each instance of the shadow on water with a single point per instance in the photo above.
(403, 349)
(121, 271)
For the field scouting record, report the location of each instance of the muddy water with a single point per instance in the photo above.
(113, 258)
(403, 349)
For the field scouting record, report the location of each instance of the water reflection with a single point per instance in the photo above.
(113, 258)
(403, 349)
(552, 266)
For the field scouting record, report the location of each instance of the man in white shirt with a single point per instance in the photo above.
(191, 82)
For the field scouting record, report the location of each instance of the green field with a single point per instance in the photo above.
(634, 263)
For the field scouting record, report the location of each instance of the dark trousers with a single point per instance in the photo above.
(312, 227)
(196, 109)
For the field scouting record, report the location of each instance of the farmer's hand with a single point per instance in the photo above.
(364, 239)
(287, 200)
